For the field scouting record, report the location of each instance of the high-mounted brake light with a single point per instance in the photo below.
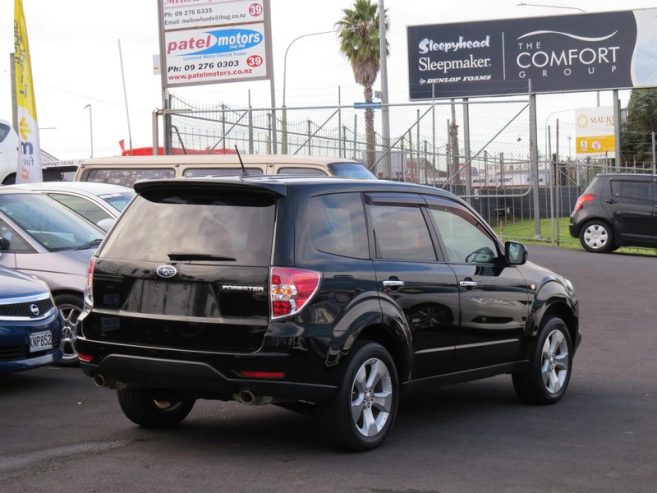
(291, 290)
(88, 284)
(581, 200)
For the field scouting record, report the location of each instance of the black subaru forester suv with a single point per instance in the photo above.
(320, 293)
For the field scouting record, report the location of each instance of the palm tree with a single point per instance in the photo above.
(358, 31)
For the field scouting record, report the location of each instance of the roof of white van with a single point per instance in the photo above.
(215, 159)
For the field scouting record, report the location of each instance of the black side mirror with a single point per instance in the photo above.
(4, 244)
(515, 253)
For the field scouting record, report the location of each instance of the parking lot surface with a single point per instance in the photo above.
(60, 433)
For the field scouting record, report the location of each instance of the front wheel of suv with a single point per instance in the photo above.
(547, 375)
(597, 237)
(154, 408)
(364, 408)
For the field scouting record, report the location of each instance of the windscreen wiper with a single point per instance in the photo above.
(198, 256)
(90, 244)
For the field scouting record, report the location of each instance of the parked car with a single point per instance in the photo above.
(128, 170)
(99, 203)
(328, 293)
(30, 326)
(616, 209)
(41, 237)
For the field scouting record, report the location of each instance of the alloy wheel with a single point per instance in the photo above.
(70, 321)
(555, 362)
(371, 397)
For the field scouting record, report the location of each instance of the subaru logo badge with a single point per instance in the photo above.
(166, 271)
(35, 310)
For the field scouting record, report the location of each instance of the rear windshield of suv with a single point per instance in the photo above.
(205, 225)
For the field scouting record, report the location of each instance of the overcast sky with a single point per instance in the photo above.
(75, 62)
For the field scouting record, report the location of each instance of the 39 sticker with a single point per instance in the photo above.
(255, 9)
(254, 61)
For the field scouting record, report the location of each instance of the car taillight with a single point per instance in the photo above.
(291, 290)
(581, 200)
(88, 284)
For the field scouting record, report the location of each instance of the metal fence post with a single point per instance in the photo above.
(654, 157)
(310, 136)
(250, 125)
(339, 123)
(417, 144)
(466, 149)
(268, 133)
(355, 136)
(533, 154)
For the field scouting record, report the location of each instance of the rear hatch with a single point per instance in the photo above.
(187, 267)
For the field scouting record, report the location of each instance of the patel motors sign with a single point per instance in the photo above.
(212, 41)
(581, 52)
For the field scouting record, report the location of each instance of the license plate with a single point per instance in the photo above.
(39, 341)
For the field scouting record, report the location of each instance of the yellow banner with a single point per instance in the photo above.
(29, 151)
(601, 144)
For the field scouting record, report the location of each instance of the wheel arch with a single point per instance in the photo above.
(385, 336)
(64, 291)
(553, 300)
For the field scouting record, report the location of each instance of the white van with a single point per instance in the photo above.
(129, 169)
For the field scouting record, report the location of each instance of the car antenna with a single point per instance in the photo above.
(244, 172)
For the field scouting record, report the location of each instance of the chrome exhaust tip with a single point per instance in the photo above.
(99, 380)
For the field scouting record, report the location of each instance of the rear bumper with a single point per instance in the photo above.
(201, 375)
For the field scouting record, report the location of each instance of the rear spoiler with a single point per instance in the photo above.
(251, 184)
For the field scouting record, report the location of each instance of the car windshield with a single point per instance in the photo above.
(352, 170)
(118, 200)
(47, 222)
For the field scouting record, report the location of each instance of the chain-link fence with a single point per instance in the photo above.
(479, 150)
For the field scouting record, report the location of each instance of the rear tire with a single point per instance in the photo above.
(546, 378)
(597, 237)
(363, 411)
(154, 408)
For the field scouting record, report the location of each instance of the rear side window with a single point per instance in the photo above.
(337, 224)
(630, 189)
(351, 170)
(191, 172)
(127, 176)
(300, 171)
(401, 233)
(225, 225)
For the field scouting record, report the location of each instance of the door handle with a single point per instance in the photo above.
(611, 201)
(468, 284)
(393, 283)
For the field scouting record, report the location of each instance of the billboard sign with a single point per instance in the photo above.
(594, 134)
(209, 42)
(581, 52)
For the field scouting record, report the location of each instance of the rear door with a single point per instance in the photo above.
(187, 268)
(410, 274)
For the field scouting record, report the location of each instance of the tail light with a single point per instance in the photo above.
(291, 290)
(88, 284)
(581, 200)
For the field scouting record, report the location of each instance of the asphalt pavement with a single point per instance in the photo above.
(59, 433)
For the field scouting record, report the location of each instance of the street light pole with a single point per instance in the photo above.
(284, 142)
(385, 111)
(91, 130)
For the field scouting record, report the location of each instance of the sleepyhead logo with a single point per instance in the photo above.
(212, 42)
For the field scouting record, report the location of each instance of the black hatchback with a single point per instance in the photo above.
(616, 209)
(323, 295)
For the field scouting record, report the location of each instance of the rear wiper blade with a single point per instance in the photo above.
(90, 244)
(198, 256)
